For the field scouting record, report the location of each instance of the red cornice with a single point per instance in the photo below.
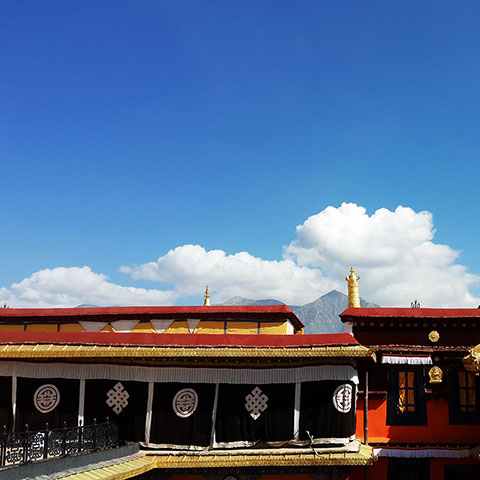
(173, 340)
(352, 314)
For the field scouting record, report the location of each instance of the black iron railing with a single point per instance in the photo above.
(17, 448)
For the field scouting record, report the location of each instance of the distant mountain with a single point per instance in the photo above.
(319, 316)
(86, 305)
(238, 301)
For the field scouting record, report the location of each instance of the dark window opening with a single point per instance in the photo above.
(406, 404)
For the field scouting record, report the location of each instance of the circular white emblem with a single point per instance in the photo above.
(46, 398)
(342, 398)
(185, 402)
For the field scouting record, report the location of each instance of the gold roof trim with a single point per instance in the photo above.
(110, 351)
(363, 457)
(120, 471)
(132, 468)
(472, 361)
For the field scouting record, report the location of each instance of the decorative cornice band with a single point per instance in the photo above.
(106, 351)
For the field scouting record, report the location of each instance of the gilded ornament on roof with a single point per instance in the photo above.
(353, 295)
(434, 336)
(435, 374)
(206, 302)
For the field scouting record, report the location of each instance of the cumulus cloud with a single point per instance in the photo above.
(189, 267)
(393, 252)
(68, 287)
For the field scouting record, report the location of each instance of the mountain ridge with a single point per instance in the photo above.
(319, 316)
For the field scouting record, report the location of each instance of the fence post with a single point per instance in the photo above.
(94, 446)
(64, 438)
(25, 444)
(4, 446)
(45, 442)
(80, 436)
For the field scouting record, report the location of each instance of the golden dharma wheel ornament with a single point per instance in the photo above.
(435, 374)
(434, 336)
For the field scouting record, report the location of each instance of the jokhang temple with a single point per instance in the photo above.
(239, 393)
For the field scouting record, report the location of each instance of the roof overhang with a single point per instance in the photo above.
(181, 461)
(364, 313)
(70, 345)
(109, 314)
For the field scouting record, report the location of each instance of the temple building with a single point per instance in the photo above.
(209, 392)
(239, 393)
(419, 404)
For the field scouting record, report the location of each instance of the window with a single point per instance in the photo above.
(466, 390)
(406, 392)
(463, 396)
(406, 396)
(461, 472)
(408, 469)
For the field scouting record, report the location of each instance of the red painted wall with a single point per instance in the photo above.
(437, 431)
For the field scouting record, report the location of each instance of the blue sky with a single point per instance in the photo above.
(131, 128)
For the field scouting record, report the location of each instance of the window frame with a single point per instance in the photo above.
(457, 416)
(415, 409)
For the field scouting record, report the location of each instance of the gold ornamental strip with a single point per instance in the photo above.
(364, 457)
(120, 471)
(103, 351)
(132, 468)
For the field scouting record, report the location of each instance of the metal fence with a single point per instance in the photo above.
(32, 446)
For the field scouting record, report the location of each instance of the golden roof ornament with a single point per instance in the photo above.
(435, 374)
(472, 361)
(206, 302)
(434, 336)
(353, 295)
(415, 304)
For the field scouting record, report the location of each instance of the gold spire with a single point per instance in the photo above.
(206, 302)
(353, 295)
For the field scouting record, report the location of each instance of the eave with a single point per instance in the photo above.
(133, 467)
(71, 352)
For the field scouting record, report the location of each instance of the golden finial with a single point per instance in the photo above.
(353, 295)
(206, 302)
(5, 305)
(415, 304)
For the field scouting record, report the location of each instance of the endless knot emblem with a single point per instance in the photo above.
(185, 402)
(46, 398)
(342, 398)
(256, 403)
(117, 398)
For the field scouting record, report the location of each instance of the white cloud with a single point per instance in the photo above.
(68, 287)
(393, 252)
(190, 267)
